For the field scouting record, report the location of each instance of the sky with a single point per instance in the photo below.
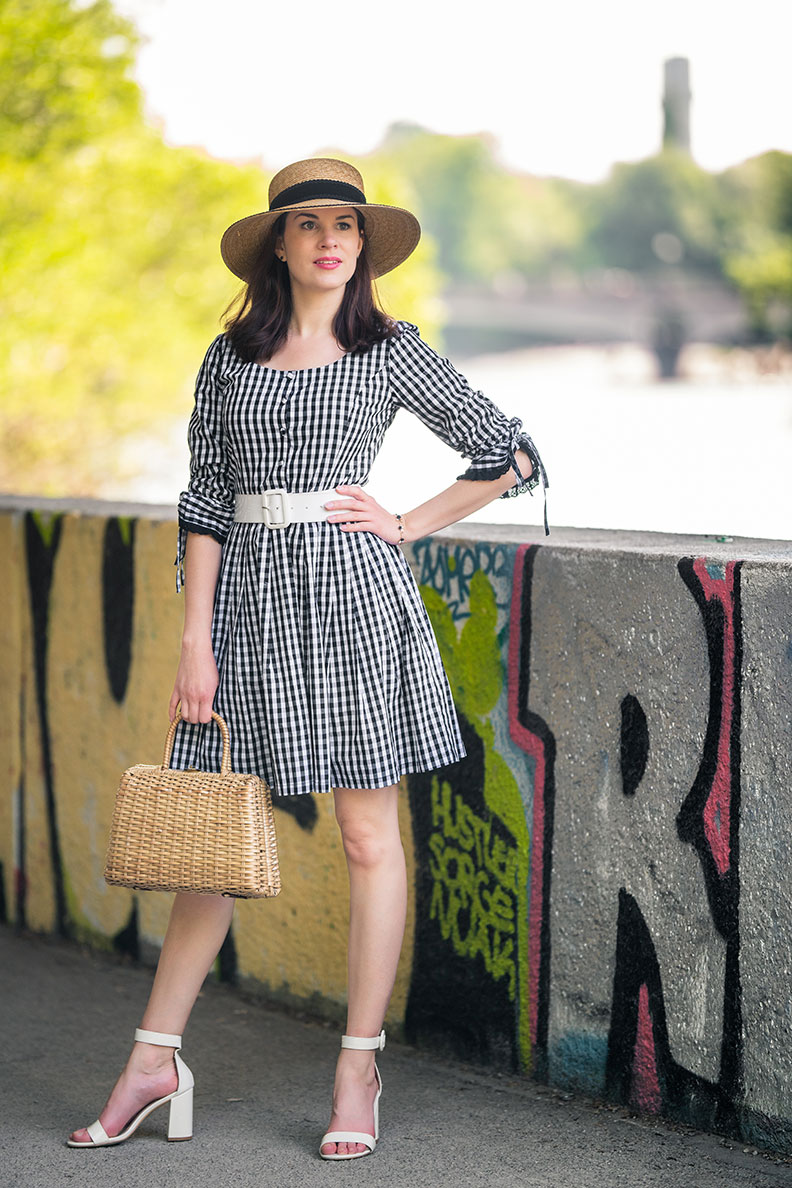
(566, 88)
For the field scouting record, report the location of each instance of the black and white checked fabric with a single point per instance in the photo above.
(330, 675)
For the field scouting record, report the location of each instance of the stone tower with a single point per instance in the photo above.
(676, 104)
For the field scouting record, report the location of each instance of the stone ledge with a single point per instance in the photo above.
(660, 544)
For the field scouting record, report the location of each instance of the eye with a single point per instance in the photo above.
(344, 226)
(308, 224)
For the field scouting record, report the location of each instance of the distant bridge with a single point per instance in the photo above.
(611, 306)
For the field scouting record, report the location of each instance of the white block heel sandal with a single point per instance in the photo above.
(181, 1101)
(358, 1136)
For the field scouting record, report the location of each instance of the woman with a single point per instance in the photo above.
(303, 624)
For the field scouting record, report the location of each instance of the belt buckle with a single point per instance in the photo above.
(278, 522)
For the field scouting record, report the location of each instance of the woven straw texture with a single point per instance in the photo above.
(207, 833)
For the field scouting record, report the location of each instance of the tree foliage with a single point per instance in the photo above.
(646, 215)
(111, 282)
(115, 288)
(64, 79)
(758, 256)
(486, 221)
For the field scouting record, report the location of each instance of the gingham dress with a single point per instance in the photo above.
(330, 675)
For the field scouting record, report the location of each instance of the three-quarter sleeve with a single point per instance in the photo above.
(207, 506)
(467, 420)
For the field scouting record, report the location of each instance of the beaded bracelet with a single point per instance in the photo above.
(401, 528)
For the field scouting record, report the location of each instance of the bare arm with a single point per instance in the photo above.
(196, 679)
(461, 499)
(457, 501)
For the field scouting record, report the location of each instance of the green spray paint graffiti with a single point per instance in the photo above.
(475, 873)
(448, 568)
(473, 844)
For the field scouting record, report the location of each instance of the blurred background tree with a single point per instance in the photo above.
(111, 282)
(758, 257)
(661, 210)
(64, 78)
(485, 220)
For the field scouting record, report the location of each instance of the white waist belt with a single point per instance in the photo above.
(277, 508)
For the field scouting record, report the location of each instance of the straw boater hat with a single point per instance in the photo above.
(391, 233)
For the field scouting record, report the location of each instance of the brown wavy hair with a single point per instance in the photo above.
(257, 322)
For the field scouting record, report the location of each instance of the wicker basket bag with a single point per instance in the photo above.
(209, 833)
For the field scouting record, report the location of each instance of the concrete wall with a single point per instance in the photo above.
(599, 891)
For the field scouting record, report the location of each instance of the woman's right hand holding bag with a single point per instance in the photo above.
(196, 683)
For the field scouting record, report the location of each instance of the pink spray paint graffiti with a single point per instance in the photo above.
(645, 1089)
(717, 809)
(532, 735)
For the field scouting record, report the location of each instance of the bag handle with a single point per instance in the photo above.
(225, 762)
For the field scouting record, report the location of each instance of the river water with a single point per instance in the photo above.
(709, 454)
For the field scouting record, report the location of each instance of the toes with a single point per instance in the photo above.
(344, 1148)
(80, 1136)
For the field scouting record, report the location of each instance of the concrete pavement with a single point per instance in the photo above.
(263, 1084)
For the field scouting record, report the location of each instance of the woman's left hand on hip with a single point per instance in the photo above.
(357, 511)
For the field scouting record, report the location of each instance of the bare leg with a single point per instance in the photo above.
(369, 824)
(196, 930)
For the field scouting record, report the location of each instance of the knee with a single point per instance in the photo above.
(367, 844)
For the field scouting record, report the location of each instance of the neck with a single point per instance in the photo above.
(313, 313)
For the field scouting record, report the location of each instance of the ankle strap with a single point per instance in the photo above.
(158, 1037)
(368, 1045)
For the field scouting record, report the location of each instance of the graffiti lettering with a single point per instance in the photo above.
(449, 569)
(472, 856)
(474, 884)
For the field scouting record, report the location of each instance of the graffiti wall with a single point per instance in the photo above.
(599, 889)
(90, 628)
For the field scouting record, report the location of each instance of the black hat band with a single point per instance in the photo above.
(319, 188)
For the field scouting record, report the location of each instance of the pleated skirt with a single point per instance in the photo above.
(330, 674)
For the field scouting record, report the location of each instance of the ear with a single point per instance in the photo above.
(280, 250)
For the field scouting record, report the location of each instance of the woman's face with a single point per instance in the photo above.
(320, 246)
